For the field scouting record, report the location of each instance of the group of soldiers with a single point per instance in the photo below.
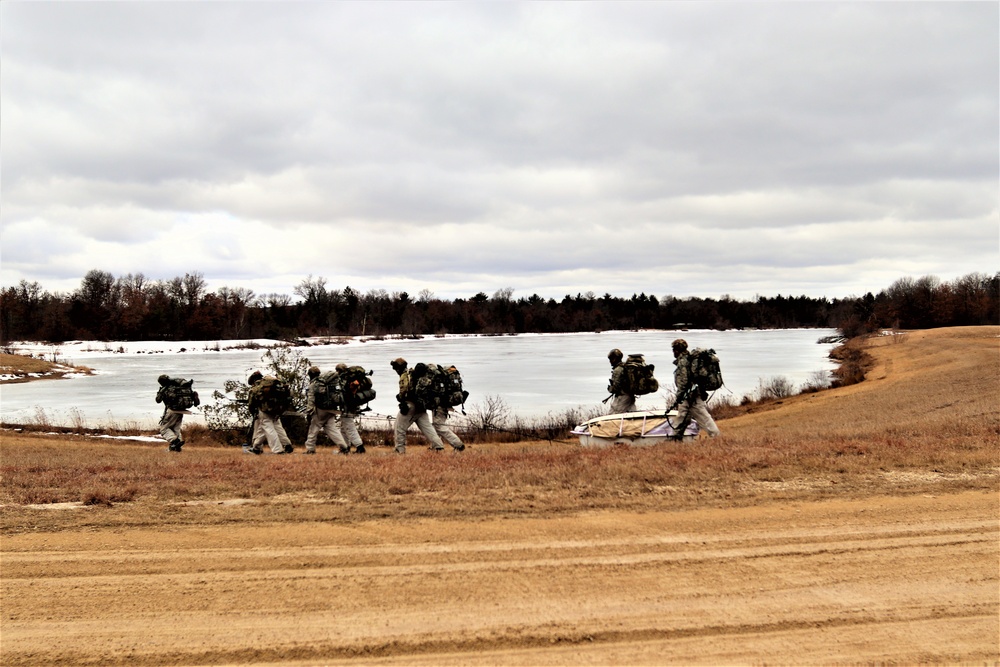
(691, 399)
(339, 422)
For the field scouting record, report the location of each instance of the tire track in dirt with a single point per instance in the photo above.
(462, 558)
(641, 589)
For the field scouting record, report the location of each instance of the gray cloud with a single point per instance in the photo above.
(685, 148)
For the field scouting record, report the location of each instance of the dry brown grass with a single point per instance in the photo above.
(18, 363)
(925, 420)
(20, 366)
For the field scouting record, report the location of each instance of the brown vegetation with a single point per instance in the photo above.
(19, 367)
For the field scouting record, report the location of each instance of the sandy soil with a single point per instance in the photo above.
(891, 579)
(905, 580)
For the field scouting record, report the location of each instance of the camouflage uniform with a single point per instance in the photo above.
(440, 424)
(170, 422)
(170, 429)
(268, 427)
(349, 430)
(348, 425)
(623, 400)
(694, 406)
(411, 413)
(322, 420)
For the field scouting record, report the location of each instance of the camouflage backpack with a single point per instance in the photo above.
(357, 386)
(638, 376)
(440, 387)
(328, 393)
(275, 397)
(705, 370)
(453, 393)
(429, 385)
(178, 394)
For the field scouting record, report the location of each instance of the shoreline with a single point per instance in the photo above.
(95, 348)
(572, 352)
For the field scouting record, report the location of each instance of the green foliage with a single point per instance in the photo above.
(230, 409)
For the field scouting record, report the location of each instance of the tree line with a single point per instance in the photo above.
(134, 307)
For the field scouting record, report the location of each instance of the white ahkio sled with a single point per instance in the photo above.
(636, 429)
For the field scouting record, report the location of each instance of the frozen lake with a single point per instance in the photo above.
(533, 374)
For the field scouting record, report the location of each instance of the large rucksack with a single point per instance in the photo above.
(705, 370)
(429, 385)
(178, 394)
(452, 394)
(356, 384)
(328, 393)
(275, 397)
(439, 386)
(638, 376)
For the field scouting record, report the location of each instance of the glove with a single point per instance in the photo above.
(404, 409)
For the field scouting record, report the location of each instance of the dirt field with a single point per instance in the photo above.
(894, 565)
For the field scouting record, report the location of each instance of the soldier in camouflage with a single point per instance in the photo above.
(348, 425)
(170, 422)
(267, 427)
(690, 397)
(321, 419)
(410, 411)
(623, 399)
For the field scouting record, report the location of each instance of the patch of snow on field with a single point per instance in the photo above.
(89, 348)
(137, 438)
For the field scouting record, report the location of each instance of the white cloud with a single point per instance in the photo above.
(686, 148)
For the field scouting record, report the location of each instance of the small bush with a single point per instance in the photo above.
(776, 387)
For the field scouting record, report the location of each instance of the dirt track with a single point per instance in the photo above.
(906, 579)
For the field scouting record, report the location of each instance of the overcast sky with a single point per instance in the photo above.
(692, 149)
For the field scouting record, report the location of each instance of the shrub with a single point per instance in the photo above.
(493, 414)
(232, 412)
(776, 387)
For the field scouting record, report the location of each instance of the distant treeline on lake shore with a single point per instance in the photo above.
(133, 307)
